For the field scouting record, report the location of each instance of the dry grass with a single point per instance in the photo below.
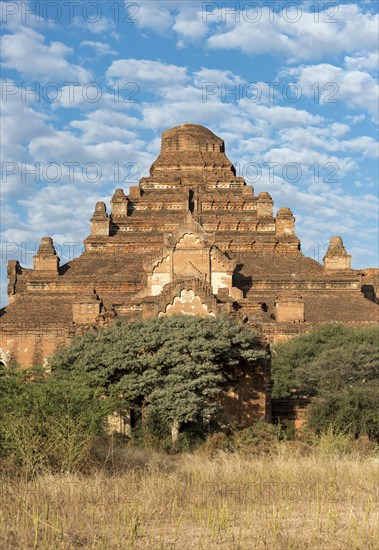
(188, 502)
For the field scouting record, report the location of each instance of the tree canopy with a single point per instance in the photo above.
(325, 360)
(339, 365)
(174, 366)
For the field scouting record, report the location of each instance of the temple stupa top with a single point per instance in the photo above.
(191, 155)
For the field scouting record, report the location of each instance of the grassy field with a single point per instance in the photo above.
(194, 501)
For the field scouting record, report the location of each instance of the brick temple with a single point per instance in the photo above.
(191, 238)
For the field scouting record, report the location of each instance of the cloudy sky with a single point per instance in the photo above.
(88, 87)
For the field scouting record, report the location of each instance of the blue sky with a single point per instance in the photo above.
(88, 87)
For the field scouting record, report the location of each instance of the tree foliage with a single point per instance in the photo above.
(175, 366)
(326, 360)
(339, 365)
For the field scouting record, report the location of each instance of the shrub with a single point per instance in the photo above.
(261, 438)
(354, 411)
(48, 423)
(215, 443)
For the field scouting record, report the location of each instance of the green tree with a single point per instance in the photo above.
(173, 366)
(338, 364)
(325, 360)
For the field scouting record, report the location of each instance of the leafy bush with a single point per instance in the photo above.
(261, 438)
(215, 443)
(354, 410)
(47, 422)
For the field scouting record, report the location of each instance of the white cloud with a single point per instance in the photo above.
(354, 119)
(104, 125)
(363, 62)
(184, 103)
(189, 24)
(99, 25)
(282, 117)
(101, 48)
(15, 111)
(255, 145)
(304, 38)
(95, 96)
(185, 18)
(161, 16)
(65, 147)
(357, 89)
(17, 165)
(216, 76)
(338, 129)
(362, 144)
(16, 15)
(327, 139)
(146, 71)
(155, 16)
(308, 158)
(26, 52)
(50, 208)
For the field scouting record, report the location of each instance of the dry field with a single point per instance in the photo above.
(186, 502)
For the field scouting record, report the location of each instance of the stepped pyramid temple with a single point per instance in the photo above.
(192, 238)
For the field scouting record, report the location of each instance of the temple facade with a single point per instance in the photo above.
(191, 238)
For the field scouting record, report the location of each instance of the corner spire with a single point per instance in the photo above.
(336, 257)
(46, 258)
